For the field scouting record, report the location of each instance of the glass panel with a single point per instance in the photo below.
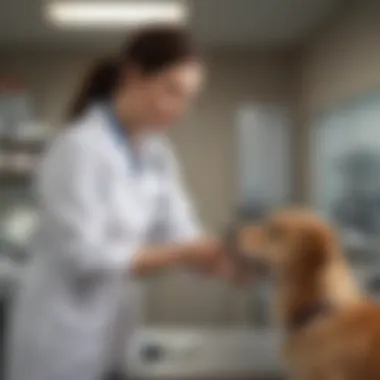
(346, 180)
(264, 177)
(263, 155)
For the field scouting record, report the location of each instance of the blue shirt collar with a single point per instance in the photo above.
(120, 134)
(118, 129)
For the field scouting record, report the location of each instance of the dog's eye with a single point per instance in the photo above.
(274, 232)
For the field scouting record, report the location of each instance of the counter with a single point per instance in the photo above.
(177, 353)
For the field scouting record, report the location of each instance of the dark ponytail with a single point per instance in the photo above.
(98, 85)
(150, 50)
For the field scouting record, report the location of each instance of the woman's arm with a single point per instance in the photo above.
(203, 255)
(187, 245)
(77, 222)
(74, 214)
(182, 223)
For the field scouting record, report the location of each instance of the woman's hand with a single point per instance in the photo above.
(204, 254)
(209, 256)
(237, 272)
(241, 277)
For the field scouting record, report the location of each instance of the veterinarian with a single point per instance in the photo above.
(113, 209)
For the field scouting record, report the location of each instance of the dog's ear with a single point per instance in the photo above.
(311, 259)
(315, 247)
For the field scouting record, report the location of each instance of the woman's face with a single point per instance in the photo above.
(163, 98)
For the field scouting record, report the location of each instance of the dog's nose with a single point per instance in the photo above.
(241, 247)
(251, 239)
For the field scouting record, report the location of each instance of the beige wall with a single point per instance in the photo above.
(205, 144)
(342, 62)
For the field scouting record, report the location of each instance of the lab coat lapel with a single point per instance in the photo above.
(120, 157)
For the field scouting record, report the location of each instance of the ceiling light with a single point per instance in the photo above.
(112, 14)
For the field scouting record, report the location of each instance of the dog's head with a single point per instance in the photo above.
(291, 242)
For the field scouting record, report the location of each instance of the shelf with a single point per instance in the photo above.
(11, 178)
(13, 145)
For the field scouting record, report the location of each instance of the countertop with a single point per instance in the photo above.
(238, 353)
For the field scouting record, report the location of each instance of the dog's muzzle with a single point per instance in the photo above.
(245, 261)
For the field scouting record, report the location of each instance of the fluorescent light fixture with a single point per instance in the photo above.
(111, 14)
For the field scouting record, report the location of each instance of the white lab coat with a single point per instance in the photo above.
(95, 214)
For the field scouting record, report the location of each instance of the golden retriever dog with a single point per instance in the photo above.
(332, 332)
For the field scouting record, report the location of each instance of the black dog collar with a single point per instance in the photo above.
(306, 316)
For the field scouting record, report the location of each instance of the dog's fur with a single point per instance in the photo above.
(331, 331)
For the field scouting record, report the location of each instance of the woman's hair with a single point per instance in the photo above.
(150, 50)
